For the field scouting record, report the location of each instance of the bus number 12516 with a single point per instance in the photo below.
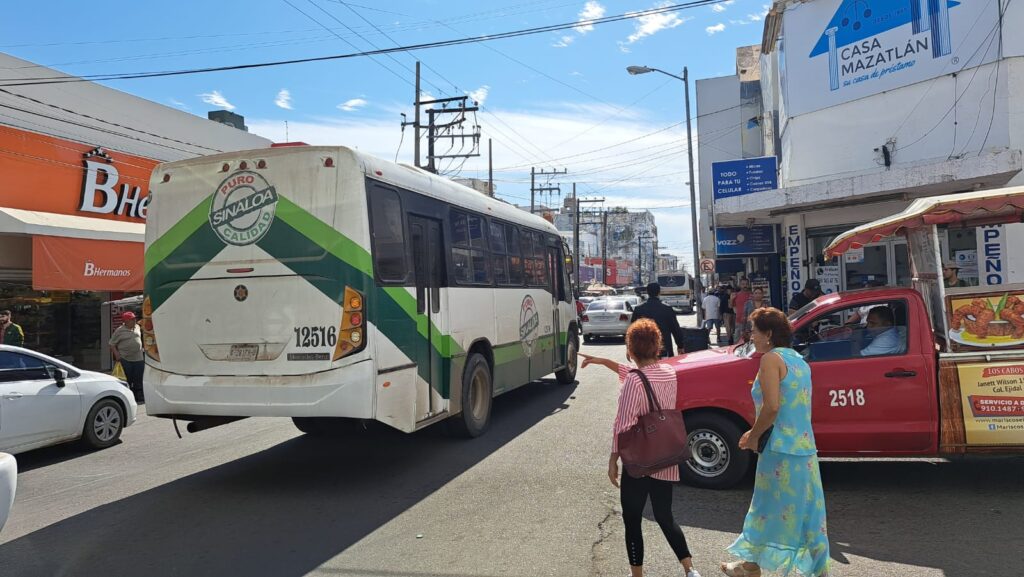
(312, 337)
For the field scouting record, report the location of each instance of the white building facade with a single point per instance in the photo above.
(864, 107)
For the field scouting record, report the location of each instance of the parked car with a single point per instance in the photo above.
(606, 318)
(8, 484)
(44, 401)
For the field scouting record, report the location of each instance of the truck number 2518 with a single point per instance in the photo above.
(847, 398)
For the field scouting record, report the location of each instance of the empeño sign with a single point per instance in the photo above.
(841, 50)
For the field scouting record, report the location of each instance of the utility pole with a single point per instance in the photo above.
(490, 168)
(579, 258)
(438, 129)
(535, 189)
(576, 231)
(604, 247)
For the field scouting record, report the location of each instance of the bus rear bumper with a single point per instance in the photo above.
(343, 392)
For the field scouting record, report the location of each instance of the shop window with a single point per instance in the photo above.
(872, 330)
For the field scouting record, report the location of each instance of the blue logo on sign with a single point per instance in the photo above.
(854, 49)
(992, 427)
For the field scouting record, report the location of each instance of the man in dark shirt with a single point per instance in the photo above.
(663, 316)
(812, 290)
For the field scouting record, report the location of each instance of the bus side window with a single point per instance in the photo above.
(388, 236)
(515, 260)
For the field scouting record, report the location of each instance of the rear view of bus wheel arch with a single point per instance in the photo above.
(477, 397)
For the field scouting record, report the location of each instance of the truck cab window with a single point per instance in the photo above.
(869, 330)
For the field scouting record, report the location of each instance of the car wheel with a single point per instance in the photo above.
(104, 424)
(567, 376)
(477, 397)
(716, 460)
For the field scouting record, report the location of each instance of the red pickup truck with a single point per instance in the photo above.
(874, 394)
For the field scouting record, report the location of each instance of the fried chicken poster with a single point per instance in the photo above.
(993, 402)
(987, 321)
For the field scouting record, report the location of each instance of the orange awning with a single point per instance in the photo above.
(999, 206)
(62, 263)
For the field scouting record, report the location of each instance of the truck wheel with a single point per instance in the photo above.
(717, 462)
(477, 397)
(567, 376)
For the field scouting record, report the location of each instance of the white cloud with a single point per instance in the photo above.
(739, 22)
(754, 17)
(591, 11)
(651, 24)
(712, 30)
(575, 73)
(284, 99)
(352, 104)
(217, 99)
(564, 41)
(179, 104)
(480, 94)
(721, 6)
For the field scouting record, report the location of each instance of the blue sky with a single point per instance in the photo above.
(549, 100)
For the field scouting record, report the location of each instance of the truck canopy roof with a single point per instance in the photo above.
(999, 206)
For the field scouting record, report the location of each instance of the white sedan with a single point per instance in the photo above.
(606, 318)
(44, 401)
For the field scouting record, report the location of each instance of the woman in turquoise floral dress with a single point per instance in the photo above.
(785, 529)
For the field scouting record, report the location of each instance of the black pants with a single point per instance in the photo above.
(133, 374)
(634, 493)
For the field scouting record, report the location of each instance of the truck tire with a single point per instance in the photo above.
(477, 398)
(567, 376)
(717, 462)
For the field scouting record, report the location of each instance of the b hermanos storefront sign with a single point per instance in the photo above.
(83, 205)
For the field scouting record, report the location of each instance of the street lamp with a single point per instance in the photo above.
(636, 70)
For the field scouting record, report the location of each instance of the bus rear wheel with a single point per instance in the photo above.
(567, 376)
(477, 398)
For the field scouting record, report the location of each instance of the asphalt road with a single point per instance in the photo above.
(530, 498)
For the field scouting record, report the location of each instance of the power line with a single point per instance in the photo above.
(423, 46)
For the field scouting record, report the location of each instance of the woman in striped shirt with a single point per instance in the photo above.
(643, 346)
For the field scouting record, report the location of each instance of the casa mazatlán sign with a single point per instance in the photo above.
(841, 50)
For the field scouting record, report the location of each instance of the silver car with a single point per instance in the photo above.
(606, 318)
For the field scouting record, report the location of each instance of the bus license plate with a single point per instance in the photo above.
(243, 352)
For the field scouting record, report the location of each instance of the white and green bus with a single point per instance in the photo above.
(326, 285)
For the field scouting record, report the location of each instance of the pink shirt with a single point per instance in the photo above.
(633, 403)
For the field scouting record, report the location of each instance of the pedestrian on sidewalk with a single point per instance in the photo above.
(812, 290)
(643, 346)
(711, 305)
(785, 528)
(663, 316)
(11, 333)
(728, 313)
(740, 299)
(126, 346)
(755, 302)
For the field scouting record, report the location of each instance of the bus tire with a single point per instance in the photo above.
(567, 376)
(716, 461)
(477, 399)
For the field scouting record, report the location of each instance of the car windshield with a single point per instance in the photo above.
(607, 305)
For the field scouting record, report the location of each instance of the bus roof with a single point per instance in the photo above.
(400, 175)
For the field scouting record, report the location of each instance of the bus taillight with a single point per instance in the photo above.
(352, 336)
(148, 335)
